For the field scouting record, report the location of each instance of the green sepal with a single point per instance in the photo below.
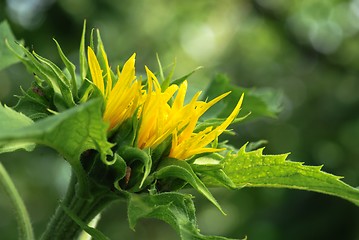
(180, 80)
(165, 81)
(92, 40)
(98, 51)
(250, 146)
(85, 91)
(82, 54)
(163, 149)
(46, 71)
(71, 68)
(140, 163)
(126, 133)
(100, 57)
(176, 209)
(58, 76)
(118, 170)
(215, 122)
(173, 168)
(102, 174)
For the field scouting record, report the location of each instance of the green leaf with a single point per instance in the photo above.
(22, 216)
(7, 57)
(253, 169)
(11, 120)
(70, 133)
(257, 102)
(173, 168)
(173, 208)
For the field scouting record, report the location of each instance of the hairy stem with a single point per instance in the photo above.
(62, 225)
(25, 228)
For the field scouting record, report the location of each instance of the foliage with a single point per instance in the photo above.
(7, 58)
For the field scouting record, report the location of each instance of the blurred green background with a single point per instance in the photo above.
(308, 50)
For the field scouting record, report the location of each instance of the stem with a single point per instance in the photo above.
(25, 228)
(59, 218)
(61, 225)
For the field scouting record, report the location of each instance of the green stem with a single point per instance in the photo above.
(61, 225)
(25, 228)
(59, 218)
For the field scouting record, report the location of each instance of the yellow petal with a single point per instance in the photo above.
(188, 144)
(95, 69)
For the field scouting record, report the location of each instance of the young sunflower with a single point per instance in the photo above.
(161, 120)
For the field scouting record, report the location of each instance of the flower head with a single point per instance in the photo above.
(160, 120)
(124, 97)
(163, 114)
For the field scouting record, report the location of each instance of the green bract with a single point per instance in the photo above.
(64, 110)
